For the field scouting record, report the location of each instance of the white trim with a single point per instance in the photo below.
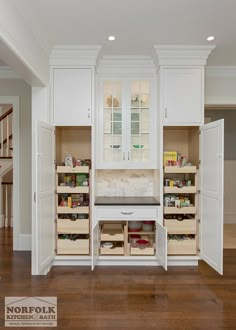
(182, 54)
(126, 65)
(25, 242)
(74, 55)
(1, 220)
(14, 100)
(7, 73)
(220, 71)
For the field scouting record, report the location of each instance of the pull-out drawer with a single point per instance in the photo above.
(112, 232)
(67, 226)
(67, 246)
(182, 247)
(127, 213)
(181, 227)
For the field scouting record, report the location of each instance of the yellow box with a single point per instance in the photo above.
(169, 155)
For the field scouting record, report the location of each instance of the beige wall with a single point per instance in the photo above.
(18, 87)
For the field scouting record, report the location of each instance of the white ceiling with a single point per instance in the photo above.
(137, 24)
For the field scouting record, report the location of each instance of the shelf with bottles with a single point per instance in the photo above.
(73, 203)
(180, 183)
(72, 179)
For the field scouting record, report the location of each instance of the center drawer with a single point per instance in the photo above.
(127, 212)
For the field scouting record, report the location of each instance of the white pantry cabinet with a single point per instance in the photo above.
(72, 96)
(195, 228)
(126, 123)
(182, 95)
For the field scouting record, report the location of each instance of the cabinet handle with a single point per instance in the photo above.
(165, 113)
(89, 114)
(123, 155)
(126, 213)
(128, 155)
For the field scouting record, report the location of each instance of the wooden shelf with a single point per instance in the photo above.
(141, 233)
(67, 226)
(183, 190)
(186, 226)
(70, 210)
(72, 190)
(118, 250)
(147, 251)
(69, 169)
(177, 169)
(112, 232)
(180, 210)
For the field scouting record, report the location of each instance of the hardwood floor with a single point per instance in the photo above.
(126, 297)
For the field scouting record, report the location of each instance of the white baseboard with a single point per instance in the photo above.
(24, 242)
(230, 218)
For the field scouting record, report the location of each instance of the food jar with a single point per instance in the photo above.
(147, 225)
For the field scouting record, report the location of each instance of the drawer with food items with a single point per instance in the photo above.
(141, 237)
(73, 203)
(179, 203)
(73, 182)
(112, 238)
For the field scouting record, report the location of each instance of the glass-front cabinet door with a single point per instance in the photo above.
(126, 124)
(139, 121)
(112, 122)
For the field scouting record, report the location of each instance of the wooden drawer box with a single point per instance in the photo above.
(72, 190)
(67, 226)
(70, 210)
(118, 250)
(112, 232)
(181, 227)
(147, 251)
(67, 246)
(127, 213)
(69, 169)
(180, 210)
(183, 247)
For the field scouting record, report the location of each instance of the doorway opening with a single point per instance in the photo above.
(9, 171)
(228, 113)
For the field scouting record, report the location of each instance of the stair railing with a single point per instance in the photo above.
(6, 133)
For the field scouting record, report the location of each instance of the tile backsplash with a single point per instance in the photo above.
(124, 183)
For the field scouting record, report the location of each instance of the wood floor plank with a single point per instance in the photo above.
(139, 298)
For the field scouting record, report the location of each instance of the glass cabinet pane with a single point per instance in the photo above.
(140, 121)
(112, 121)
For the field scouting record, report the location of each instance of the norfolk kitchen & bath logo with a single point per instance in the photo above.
(30, 311)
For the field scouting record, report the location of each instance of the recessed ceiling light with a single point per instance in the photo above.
(210, 38)
(111, 38)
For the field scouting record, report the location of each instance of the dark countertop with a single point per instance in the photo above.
(134, 200)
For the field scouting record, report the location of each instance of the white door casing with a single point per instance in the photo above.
(95, 241)
(211, 194)
(43, 226)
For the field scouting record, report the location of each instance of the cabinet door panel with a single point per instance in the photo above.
(161, 245)
(212, 191)
(182, 96)
(95, 243)
(72, 96)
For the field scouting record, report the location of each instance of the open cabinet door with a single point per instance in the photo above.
(211, 194)
(43, 226)
(161, 245)
(95, 244)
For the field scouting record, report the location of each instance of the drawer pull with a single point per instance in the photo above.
(127, 213)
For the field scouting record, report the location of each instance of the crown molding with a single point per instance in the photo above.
(7, 73)
(126, 65)
(221, 71)
(182, 55)
(74, 55)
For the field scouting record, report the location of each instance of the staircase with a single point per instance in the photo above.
(6, 165)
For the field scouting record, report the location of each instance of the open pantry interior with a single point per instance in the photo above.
(73, 190)
(180, 191)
